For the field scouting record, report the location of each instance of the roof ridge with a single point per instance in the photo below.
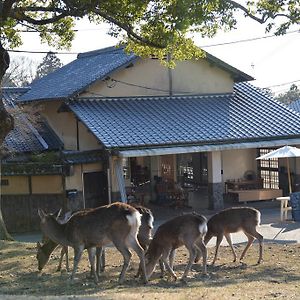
(110, 49)
(101, 98)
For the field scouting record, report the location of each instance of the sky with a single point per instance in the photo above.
(272, 60)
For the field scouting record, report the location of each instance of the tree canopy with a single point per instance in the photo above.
(153, 27)
(49, 64)
(290, 96)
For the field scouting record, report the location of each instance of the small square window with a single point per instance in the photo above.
(4, 182)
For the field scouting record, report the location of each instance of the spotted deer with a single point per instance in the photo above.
(117, 223)
(232, 220)
(186, 230)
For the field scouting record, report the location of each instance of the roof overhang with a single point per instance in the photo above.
(206, 148)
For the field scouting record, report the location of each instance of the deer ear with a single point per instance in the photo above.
(41, 214)
(58, 214)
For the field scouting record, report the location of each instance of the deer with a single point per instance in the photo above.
(117, 223)
(144, 236)
(44, 250)
(232, 220)
(188, 230)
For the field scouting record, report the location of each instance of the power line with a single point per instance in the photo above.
(41, 52)
(281, 84)
(247, 40)
(204, 46)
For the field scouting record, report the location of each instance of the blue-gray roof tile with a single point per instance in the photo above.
(24, 137)
(295, 105)
(246, 114)
(73, 78)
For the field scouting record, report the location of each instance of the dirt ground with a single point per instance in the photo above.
(278, 277)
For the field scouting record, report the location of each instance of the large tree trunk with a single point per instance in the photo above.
(6, 125)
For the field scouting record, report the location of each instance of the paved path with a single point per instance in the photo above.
(271, 228)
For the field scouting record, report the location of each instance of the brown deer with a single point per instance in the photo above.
(144, 237)
(232, 220)
(187, 230)
(117, 223)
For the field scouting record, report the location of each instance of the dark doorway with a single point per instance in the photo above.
(95, 189)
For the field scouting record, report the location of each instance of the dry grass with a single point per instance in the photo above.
(277, 277)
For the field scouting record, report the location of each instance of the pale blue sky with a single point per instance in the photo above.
(272, 61)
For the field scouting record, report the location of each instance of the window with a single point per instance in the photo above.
(268, 170)
(4, 182)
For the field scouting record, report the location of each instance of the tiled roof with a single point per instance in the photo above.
(11, 94)
(73, 78)
(295, 105)
(248, 114)
(24, 137)
(76, 76)
(77, 157)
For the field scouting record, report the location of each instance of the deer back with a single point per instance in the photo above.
(233, 219)
(175, 232)
(94, 226)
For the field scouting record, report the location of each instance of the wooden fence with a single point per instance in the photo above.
(20, 211)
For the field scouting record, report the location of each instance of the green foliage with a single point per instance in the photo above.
(49, 64)
(157, 27)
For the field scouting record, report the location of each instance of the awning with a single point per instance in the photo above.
(206, 148)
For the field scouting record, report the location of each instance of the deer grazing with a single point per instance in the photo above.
(187, 230)
(117, 223)
(233, 220)
(144, 236)
(44, 250)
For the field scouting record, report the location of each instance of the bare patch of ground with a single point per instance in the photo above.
(278, 277)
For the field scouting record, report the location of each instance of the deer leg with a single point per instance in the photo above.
(126, 259)
(192, 252)
(200, 246)
(92, 253)
(229, 241)
(137, 248)
(100, 260)
(172, 257)
(77, 255)
(219, 240)
(250, 241)
(251, 234)
(162, 268)
(165, 257)
(62, 253)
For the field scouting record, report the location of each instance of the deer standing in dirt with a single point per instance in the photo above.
(117, 223)
(45, 249)
(187, 230)
(144, 237)
(233, 220)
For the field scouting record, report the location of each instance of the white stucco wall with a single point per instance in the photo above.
(193, 77)
(236, 162)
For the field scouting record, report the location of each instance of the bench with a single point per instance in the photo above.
(255, 194)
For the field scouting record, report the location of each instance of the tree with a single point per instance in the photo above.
(291, 95)
(157, 27)
(20, 72)
(49, 64)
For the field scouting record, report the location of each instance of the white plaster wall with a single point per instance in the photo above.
(64, 125)
(194, 77)
(236, 162)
